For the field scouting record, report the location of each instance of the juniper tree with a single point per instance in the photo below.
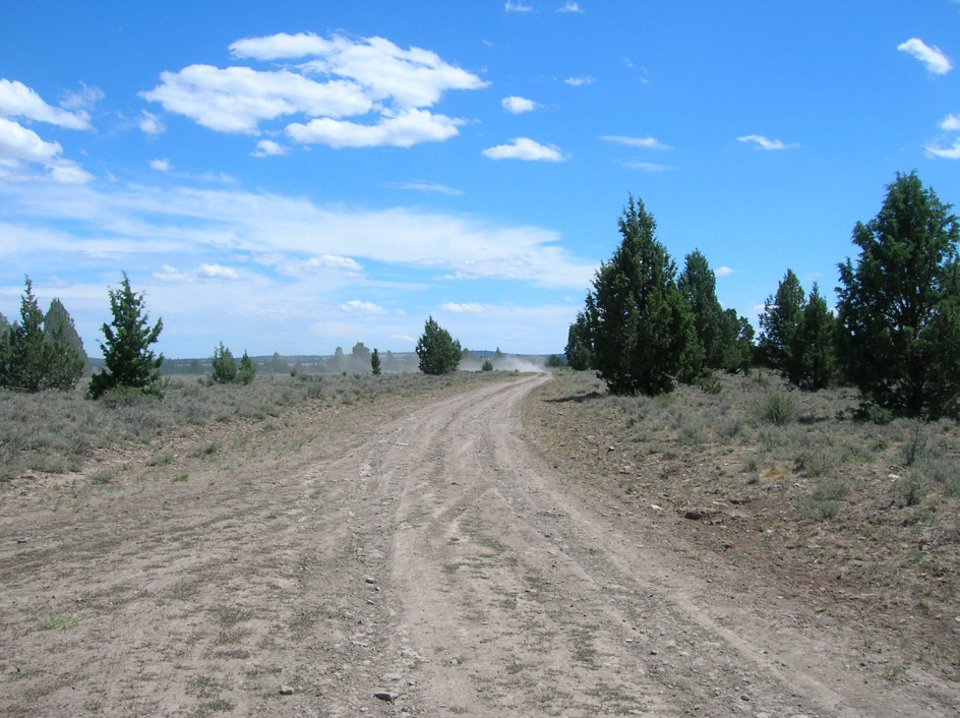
(33, 358)
(129, 361)
(248, 369)
(698, 285)
(641, 328)
(780, 322)
(899, 308)
(439, 352)
(375, 362)
(223, 365)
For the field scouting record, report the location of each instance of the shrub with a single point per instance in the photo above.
(224, 365)
(778, 409)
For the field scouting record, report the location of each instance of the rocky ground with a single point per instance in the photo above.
(422, 558)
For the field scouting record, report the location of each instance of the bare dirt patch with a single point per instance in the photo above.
(408, 557)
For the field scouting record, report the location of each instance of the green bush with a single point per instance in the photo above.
(778, 408)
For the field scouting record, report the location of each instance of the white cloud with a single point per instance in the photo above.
(517, 7)
(570, 6)
(18, 100)
(518, 105)
(936, 61)
(326, 264)
(469, 308)
(578, 81)
(646, 143)
(952, 123)
(19, 145)
(724, 271)
(763, 143)
(345, 78)
(150, 125)
(161, 165)
(404, 129)
(523, 148)
(356, 306)
(216, 271)
(426, 187)
(84, 99)
(269, 148)
(949, 153)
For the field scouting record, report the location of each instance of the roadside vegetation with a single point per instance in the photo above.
(60, 432)
(864, 515)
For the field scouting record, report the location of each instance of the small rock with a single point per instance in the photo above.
(392, 677)
(386, 696)
(370, 580)
(286, 691)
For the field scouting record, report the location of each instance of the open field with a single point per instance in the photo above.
(486, 544)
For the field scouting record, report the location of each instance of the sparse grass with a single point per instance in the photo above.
(58, 621)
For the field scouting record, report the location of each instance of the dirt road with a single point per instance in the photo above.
(428, 557)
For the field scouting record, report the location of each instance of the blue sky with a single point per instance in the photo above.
(297, 176)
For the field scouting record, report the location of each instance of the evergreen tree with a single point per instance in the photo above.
(248, 369)
(813, 354)
(738, 347)
(899, 309)
(780, 322)
(375, 362)
(4, 324)
(130, 363)
(35, 356)
(58, 321)
(439, 353)
(641, 329)
(698, 285)
(223, 364)
(579, 349)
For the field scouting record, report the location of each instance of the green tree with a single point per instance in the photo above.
(439, 352)
(37, 355)
(555, 362)
(780, 322)
(487, 365)
(375, 362)
(641, 329)
(4, 324)
(248, 369)
(223, 365)
(899, 308)
(738, 347)
(813, 354)
(698, 285)
(59, 323)
(130, 363)
(579, 349)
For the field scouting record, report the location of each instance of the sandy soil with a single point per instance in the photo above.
(428, 555)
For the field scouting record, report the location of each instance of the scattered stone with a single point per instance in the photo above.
(370, 580)
(286, 691)
(392, 677)
(386, 696)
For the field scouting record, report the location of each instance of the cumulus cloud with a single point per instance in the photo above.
(578, 81)
(762, 143)
(951, 124)
(724, 271)
(18, 100)
(216, 271)
(342, 78)
(523, 148)
(518, 105)
(269, 148)
(936, 61)
(517, 7)
(150, 125)
(161, 165)
(570, 7)
(83, 99)
(20, 146)
(205, 272)
(325, 264)
(645, 143)
(403, 129)
(358, 307)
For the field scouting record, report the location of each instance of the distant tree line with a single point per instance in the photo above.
(895, 333)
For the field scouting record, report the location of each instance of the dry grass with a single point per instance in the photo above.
(59, 432)
(794, 481)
